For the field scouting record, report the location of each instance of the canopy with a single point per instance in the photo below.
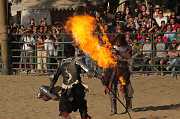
(48, 4)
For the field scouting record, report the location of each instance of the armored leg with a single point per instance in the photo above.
(83, 109)
(128, 95)
(128, 103)
(113, 99)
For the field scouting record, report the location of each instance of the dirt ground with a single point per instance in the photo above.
(156, 97)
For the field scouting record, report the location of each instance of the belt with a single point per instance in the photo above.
(64, 86)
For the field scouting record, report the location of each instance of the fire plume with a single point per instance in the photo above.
(122, 83)
(83, 32)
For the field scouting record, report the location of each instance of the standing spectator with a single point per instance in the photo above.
(43, 22)
(32, 22)
(50, 49)
(27, 51)
(41, 54)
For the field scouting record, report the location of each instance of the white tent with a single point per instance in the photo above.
(46, 4)
(39, 8)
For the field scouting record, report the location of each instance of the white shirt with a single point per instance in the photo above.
(29, 41)
(158, 20)
(147, 47)
(160, 47)
(49, 46)
(9, 1)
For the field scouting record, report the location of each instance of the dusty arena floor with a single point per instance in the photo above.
(156, 97)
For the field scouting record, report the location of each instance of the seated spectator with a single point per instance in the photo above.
(147, 52)
(173, 24)
(156, 11)
(136, 23)
(130, 26)
(169, 35)
(128, 38)
(160, 53)
(154, 29)
(178, 35)
(141, 34)
(173, 15)
(137, 56)
(144, 10)
(118, 28)
(161, 18)
(127, 13)
(173, 57)
(178, 49)
(163, 27)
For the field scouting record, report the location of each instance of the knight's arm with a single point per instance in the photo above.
(82, 65)
(56, 76)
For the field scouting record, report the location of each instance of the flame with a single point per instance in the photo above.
(122, 83)
(83, 32)
(105, 37)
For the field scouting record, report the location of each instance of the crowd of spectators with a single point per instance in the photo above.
(35, 47)
(154, 35)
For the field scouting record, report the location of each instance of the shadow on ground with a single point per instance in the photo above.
(156, 108)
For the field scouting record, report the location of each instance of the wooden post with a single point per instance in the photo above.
(3, 37)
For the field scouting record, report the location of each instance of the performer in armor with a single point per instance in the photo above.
(73, 90)
(119, 74)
